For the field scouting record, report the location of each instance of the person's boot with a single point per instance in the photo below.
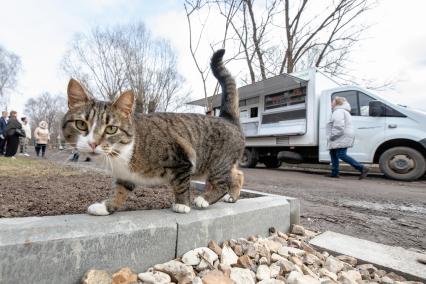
(364, 172)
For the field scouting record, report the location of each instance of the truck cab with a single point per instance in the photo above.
(391, 135)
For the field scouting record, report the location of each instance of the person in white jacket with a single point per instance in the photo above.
(23, 141)
(340, 137)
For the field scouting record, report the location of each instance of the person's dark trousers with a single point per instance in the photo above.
(12, 144)
(341, 154)
(41, 147)
(2, 144)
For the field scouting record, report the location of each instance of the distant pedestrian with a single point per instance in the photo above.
(3, 125)
(13, 132)
(23, 141)
(42, 137)
(341, 137)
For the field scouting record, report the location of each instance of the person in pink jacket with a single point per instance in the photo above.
(42, 137)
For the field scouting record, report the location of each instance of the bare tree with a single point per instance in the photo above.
(277, 36)
(10, 65)
(110, 60)
(95, 60)
(151, 69)
(49, 108)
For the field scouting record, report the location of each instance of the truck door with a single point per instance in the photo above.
(369, 130)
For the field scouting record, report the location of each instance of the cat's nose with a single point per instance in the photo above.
(93, 145)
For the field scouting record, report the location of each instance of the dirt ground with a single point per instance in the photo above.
(30, 187)
(376, 209)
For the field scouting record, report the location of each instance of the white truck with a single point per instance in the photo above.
(284, 118)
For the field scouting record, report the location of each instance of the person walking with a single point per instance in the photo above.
(42, 137)
(23, 141)
(13, 132)
(340, 137)
(3, 125)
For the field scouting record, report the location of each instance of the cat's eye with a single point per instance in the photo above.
(81, 125)
(110, 129)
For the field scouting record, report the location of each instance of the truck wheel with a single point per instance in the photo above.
(272, 162)
(402, 163)
(249, 159)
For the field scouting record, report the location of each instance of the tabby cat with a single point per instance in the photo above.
(161, 148)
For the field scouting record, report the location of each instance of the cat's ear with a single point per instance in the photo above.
(76, 94)
(124, 103)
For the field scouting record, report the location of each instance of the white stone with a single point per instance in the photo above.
(349, 277)
(263, 260)
(325, 272)
(197, 280)
(275, 270)
(176, 270)
(203, 257)
(154, 277)
(306, 279)
(263, 272)
(272, 245)
(228, 256)
(271, 281)
(298, 230)
(276, 257)
(241, 276)
(387, 280)
(287, 251)
(293, 276)
(333, 265)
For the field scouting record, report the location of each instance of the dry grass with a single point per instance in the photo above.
(22, 166)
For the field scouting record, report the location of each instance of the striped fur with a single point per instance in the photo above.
(159, 148)
(229, 101)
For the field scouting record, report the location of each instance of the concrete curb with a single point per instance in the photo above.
(59, 249)
(389, 258)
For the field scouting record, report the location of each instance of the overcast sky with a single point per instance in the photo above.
(40, 32)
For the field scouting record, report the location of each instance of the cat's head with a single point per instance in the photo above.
(98, 127)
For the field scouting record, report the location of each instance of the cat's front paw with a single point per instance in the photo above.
(180, 208)
(227, 198)
(98, 209)
(200, 202)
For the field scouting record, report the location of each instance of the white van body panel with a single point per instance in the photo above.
(371, 132)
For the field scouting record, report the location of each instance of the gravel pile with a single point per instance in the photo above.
(278, 259)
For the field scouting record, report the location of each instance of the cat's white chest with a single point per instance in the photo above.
(120, 170)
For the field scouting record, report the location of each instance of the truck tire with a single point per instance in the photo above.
(402, 163)
(272, 162)
(249, 159)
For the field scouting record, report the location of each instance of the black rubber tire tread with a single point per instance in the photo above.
(415, 174)
(252, 159)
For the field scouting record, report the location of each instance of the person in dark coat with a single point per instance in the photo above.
(12, 135)
(3, 125)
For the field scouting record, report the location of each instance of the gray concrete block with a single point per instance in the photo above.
(60, 249)
(396, 259)
(223, 221)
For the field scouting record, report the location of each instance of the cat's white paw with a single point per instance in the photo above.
(200, 202)
(180, 208)
(98, 209)
(229, 199)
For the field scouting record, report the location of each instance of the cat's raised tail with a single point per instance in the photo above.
(229, 104)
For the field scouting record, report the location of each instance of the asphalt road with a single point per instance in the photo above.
(376, 209)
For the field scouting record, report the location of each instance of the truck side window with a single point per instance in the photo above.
(364, 102)
(351, 97)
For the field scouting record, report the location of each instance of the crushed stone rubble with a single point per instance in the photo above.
(277, 259)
